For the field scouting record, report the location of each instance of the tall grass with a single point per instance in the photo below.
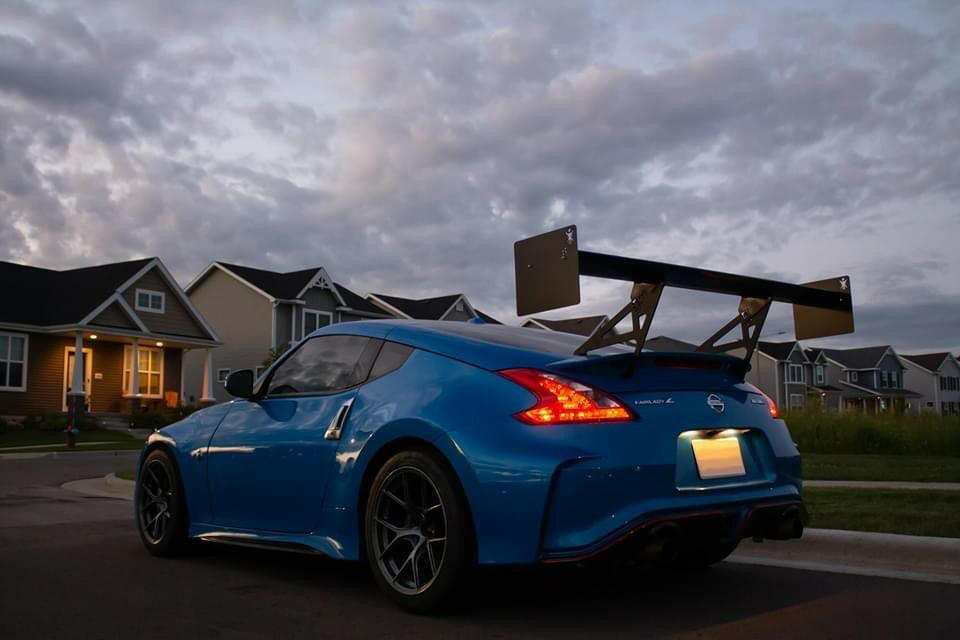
(817, 432)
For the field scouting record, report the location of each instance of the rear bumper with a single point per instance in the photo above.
(774, 520)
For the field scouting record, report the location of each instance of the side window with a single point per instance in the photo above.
(392, 356)
(324, 364)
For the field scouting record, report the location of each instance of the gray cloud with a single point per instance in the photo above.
(407, 146)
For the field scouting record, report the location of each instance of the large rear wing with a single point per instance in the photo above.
(548, 269)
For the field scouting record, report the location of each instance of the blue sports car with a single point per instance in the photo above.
(428, 448)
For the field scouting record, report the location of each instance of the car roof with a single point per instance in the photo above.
(487, 345)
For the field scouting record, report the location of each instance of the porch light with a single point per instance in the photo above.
(159, 344)
(93, 336)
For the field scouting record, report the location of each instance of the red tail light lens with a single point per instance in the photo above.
(774, 411)
(564, 401)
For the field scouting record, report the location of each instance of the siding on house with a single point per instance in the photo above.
(175, 320)
(44, 379)
(114, 316)
(106, 394)
(462, 315)
(222, 300)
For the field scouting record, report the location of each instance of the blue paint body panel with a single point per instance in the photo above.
(266, 472)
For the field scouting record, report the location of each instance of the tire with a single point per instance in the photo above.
(706, 555)
(413, 502)
(160, 506)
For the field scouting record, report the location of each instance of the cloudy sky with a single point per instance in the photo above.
(406, 146)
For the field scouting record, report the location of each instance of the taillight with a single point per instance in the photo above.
(774, 411)
(564, 401)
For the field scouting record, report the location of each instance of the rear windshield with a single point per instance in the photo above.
(541, 340)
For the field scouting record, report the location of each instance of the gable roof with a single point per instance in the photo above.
(45, 297)
(583, 326)
(67, 300)
(666, 343)
(862, 358)
(283, 286)
(359, 303)
(486, 318)
(422, 309)
(929, 361)
(778, 350)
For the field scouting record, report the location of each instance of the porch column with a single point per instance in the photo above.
(135, 377)
(207, 393)
(183, 359)
(75, 399)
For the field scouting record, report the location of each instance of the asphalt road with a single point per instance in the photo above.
(72, 566)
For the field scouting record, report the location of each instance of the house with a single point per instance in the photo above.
(869, 379)
(782, 371)
(256, 312)
(449, 307)
(130, 323)
(584, 326)
(936, 377)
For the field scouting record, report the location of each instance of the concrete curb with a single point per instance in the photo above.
(109, 486)
(870, 484)
(887, 555)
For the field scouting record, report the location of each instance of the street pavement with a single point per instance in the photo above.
(72, 566)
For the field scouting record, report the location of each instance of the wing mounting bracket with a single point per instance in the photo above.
(644, 298)
(752, 312)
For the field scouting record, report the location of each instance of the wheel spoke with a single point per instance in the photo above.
(431, 559)
(392, 527)
(393, 497)
(413, 565)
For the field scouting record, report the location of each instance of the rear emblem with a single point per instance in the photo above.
(715, 402)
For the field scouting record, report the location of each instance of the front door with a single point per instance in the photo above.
(269, 459)
(69, 363)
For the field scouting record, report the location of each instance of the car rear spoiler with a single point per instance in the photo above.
(548, 269)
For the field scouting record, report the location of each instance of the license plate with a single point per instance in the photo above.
(718, 457)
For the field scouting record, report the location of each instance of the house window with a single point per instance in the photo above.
(152, 301)
(883, 379)
(820, 374)
(149, 370)
(796, 373)
(854, 376)
(313, 320)
(796, 401)
(222, 375)
(259, 371)
(13, 362)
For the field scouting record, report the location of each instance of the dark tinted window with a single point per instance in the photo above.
(323, 364)
(392, 356)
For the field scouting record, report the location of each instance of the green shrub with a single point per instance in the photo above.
(817, 432)
(56, 422)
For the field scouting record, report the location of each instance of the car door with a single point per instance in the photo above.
(269, 460)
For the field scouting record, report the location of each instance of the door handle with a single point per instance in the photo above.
(336, 425)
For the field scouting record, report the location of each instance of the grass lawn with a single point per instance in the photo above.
(828, 466)
(127, 474)
(26, 437)
(919, 513)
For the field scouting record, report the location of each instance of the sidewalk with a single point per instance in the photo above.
(870, 484)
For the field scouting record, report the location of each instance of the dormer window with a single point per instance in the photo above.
(152, 301)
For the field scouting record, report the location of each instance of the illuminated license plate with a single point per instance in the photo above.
(718, 457)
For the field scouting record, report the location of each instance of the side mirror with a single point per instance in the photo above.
(240, 383)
